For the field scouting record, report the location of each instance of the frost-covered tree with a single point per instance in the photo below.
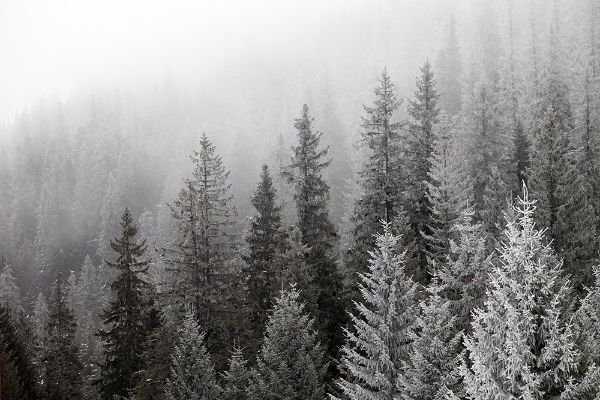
(380, 337)
(290, 364)
(236, 379)
(192, 373)
(465, 271)
(432, 367)
(424, 115)
(381, 175)
(124, 329)
(311, 195)
(522, 343)
(447, 189)
(62, 367)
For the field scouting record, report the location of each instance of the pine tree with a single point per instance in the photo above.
(236, 379)
(61, 355)
(423, 112)
(380, 338)
(266, 240)
(381, 176)
(433, 363)
(522, 344)
(200, 261)
(290, 364)
(124, 332)
(447, 190)
(192, 373)
(40, 322)
(450, 73)
(311, 194)
(464, 273)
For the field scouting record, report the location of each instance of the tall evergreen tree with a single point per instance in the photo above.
(522, 345)
(311, 194)
(380, 338)
(192, 372)
(61, 356)
(447, 190)
(290, 364)
(381, 176)
(432, 367)
(125, 327)
(200, 262)
(10, 296)
(424, 115)
(265, 239)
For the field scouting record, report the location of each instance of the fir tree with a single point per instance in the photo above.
(380, 338)
(290, 364)
(423, 112)
(522, 344)
(200, 261)
(464, 273)
(266, 240)
(192, 373)
(61, 355)
(236, 379)
(9, 292)
(125, 332)
(446, 190)
(311, 194)
(381, 176)
(433, 364)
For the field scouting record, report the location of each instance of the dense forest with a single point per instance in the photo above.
(438, 242)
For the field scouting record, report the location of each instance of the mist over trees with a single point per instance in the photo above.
(347, 216)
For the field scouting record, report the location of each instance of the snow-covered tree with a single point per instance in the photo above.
(380, 337)
(432, 367)
(465, 271)
(290, 364)
(522, 344)
(236, 379)
(10, 296)
(192, 373)
(447, 189)
(424, 115)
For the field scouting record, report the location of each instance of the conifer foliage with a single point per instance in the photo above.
(124, 319)
(379, 340)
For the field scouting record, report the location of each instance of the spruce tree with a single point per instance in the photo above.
(465, 271)
(9, 292)
(424, 115)
(124, 333)
(192, 373)
(380, 338)
(447, 189)
(432, 367)
(381, 176)
(236, 379)
(290, 364)
(522, 343)
(311, 195)
(200, 261)
(266, 240)
(61, 356)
